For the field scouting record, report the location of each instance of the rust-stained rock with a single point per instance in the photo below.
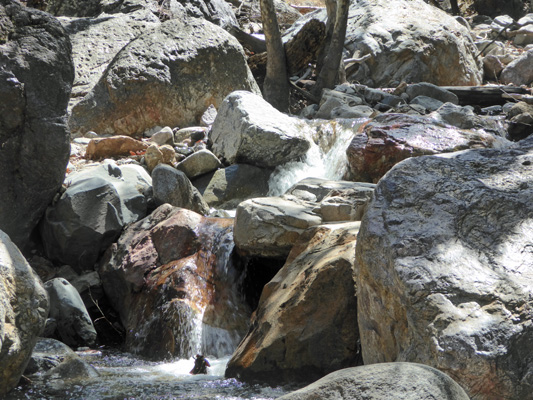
(115, 146)
(306, 323)
(391, 138)
(170, 278)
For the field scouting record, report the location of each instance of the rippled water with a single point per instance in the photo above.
(123, 376)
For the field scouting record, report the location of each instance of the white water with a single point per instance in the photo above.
(325, 159)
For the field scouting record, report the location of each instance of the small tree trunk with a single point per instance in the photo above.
(276, 85)
(455, 7)
(329, 73)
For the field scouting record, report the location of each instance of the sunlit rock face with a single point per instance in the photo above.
(171, 279)
(23, 310)
(306, 323)
(391, 138)
(444, 267)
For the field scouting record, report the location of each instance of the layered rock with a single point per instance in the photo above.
(249, 130)
(34, 138)
(169, 277)
(399, 381)
(443, 266)
(306, 323)
(391, 138)
(269, 226)
(23, 311)
(93, 210)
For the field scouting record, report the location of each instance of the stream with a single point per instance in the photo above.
(123, 376)
(126, 376)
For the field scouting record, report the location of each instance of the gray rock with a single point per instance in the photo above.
(227, 187)
(199, 163)
(51, 358)
(399, 381)
(96, 41)
(297, 332)
(209, 116)
(74, 326)
(352, 112)
(269, 226)
(249, 130)
(461, 117)
(442, 260)
(157, 80)
(34, 137)
(172, 186)
(162, 137)
(428, 103)
(433, 91)
(520, 71)
(91, 213)
(405, 47)
(332, 99)
(23, 311)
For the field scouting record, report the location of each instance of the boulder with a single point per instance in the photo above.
(93, 210)
(520, 71)
(249, 130)
(96, 41)
(398, 381)
(228, 187)
(443, 259)
(74, 326)
(53, 360)
(170, 278)
(404, 47)
(157, 79)
(23, 311)
(172, 186)
(433, 91)
(33, 133)
(391, 138)
(115, 146)
(199, 163)
(269, 226)
(306, 323)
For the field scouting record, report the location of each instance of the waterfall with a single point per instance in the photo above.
(326, 157)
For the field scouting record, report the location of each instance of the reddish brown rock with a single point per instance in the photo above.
(170, 278)
(306, 323)
(391, 138)
(114, 146)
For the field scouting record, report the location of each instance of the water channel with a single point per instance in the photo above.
(125, 376)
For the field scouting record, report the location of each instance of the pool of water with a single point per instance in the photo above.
(123, 376)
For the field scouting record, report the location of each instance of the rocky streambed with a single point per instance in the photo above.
(379, 240)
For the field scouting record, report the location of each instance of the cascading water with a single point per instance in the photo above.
(325, 159)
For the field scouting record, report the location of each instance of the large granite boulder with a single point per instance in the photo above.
(405, 47)
(168, 76)
(444, 269)
(306, 323)
(520, 71)
(171, 280)
(391, 138)
(249, 130)
(398, 381)
(23, 311)
(93, 210)
(74, 326)
(96, 41)
(269, 226)
(34, 138)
